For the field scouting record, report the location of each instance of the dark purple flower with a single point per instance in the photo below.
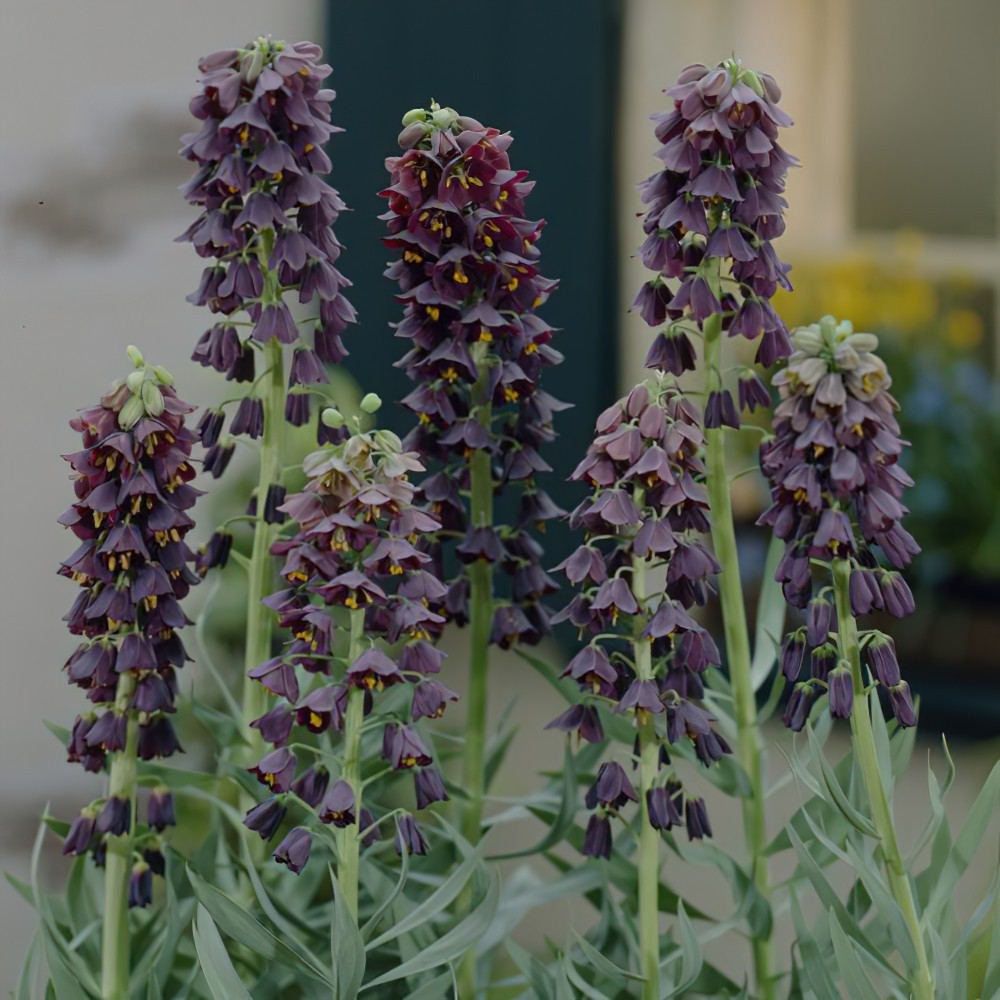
(404, 748)
(793, 654)
(160, 809)
(720, 411)
(673, 352)
(275, 725)
(799, 702)
(652, 301)
(582, 720)
(430, 699)
(753, 392)
(641, 695)
(597, 839)
(880, 654)
(373, 670)
(696, 819)
(293, 851)
(409, 836)
(217, 458)
(429, 787)
(249, 418)
(265, 818)
(115, 818)
(611, 789)
(902, 704)
(276, 769)
(338, 805)
(820, 620)
(841, 690)
(311, 784)
(216, 552)
(140, 886)
(80, 838)
(662, 808)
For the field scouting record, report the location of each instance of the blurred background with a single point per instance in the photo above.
(894, 222)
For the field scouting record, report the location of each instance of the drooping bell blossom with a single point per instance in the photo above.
(837, 489)
(132, 483)
(713, 210)
(265, 222)
(467, 267)
(354, 549)
(647, 507)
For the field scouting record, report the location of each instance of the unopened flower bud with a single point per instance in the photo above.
(370, 403)
(163, 376)
(388, 441)
(444, 118)
(134, 381)
(135, 355)
(415, 115)
(332, 418)
(131, 413)
(152, 399)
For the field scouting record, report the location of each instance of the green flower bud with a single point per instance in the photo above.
(414, 115)
(152, 399)
(370, 403)
(131, 413)
(135, 355)
(163, 376)
(332, 418)
(444, 118)
(134, 381)
(388, 441)
(752, 80)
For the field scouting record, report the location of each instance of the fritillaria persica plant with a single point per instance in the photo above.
(322, 748)
(132, 484)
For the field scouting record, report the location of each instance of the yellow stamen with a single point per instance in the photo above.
(315, 721)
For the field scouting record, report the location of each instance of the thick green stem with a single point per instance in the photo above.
(649, 839)
(734, 622)
(480, 625)
(260, 578)
(350, 841)
(115, 959)
(921, 980)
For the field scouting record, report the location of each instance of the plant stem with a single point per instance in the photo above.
(734, 621)
(921, 980)
(350, 841)
(480, 624)
(260, 620)
(649, 839)
(118, 863)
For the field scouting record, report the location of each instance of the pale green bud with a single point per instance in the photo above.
(414, 115)
(135, 355)
(752, 80)
(444, 118)
(388, 441)
(131, 413)
(163, 376)
(332, 418)
(134, 381)
(370, 403)
(152, 399)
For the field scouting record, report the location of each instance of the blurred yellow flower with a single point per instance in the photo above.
(963, 329)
